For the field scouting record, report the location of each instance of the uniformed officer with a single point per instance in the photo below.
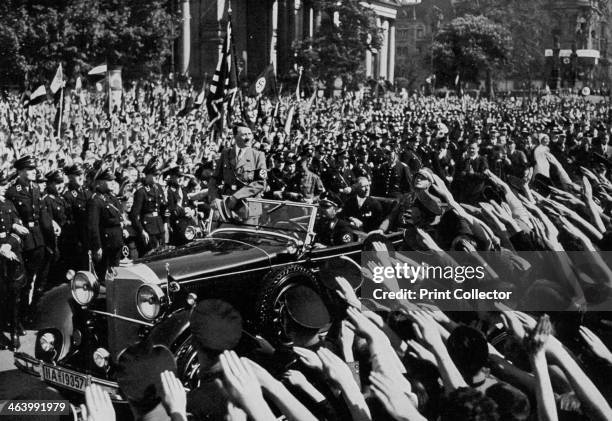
(54, 264)
(74, 248)
(304, 316)
(12, 274)
(104, 223)
(329, 229)
(241, 171)
(181, 209)
(342, 177)
(32, 211)
(392, 178)
(276, 184)
(305, 185)
(148, 211)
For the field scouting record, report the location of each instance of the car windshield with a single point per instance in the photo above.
(289, 218)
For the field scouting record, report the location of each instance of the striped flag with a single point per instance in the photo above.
(223, 87)
(38, 96)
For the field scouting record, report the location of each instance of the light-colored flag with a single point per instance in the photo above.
(289, 120)
(98, 70)
(58, 81)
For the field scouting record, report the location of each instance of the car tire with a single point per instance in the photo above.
(187, 362)
(274, 286)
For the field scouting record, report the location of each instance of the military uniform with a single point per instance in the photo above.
(243, 175)
(177, 202)
(148, 214)
(392, 180)
(333, 232)
(75, 230)
(306, 185)
(55, 265)
(12, 273)
(33, 212)
(105, 231)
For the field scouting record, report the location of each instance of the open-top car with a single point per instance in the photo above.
(250, 263)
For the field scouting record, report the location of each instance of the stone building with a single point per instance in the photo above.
(578, 53)
(264, 31)
(580, 24)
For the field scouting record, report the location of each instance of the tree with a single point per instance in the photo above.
(339, 50)
(471, 47)
(37, 35)
(529, 25)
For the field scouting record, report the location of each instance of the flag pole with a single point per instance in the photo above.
(297, 88)
(59, 123)
(229, 16)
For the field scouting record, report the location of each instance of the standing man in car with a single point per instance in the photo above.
(241, 172)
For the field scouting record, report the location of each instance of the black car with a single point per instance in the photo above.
(84, 325)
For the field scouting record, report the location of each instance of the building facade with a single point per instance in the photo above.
(264, 31)
(578, 53)
(580, 29)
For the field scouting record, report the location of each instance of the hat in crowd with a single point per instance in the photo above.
(25, 162)
(328, 199)
(151, 167)
(104, 174)
(173, 171)
(138, 373)
(74, 169)
(54, 177)
(306, 308)
(427, 202)
(216, 325)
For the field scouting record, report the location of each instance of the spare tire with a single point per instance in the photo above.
(269, 301)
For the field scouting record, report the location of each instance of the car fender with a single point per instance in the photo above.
(54, 311)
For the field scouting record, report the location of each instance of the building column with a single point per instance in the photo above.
(368, 63)
(299, 19)
(310, 21)
(185, 37)
(273, 39)
(384, 50)
(391, 69)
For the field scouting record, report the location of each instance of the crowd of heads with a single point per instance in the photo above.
(524, 178)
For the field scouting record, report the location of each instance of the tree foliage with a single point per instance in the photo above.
(37, 35)
(528, 22)
(339, 50)
(470, 46)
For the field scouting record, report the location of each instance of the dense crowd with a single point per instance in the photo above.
(507, 176)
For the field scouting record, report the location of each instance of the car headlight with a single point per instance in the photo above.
(190, 233)
(101, 357)
(149, 301)
(84, 287)
(47, 342)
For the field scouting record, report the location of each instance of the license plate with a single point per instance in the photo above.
(64, 378)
